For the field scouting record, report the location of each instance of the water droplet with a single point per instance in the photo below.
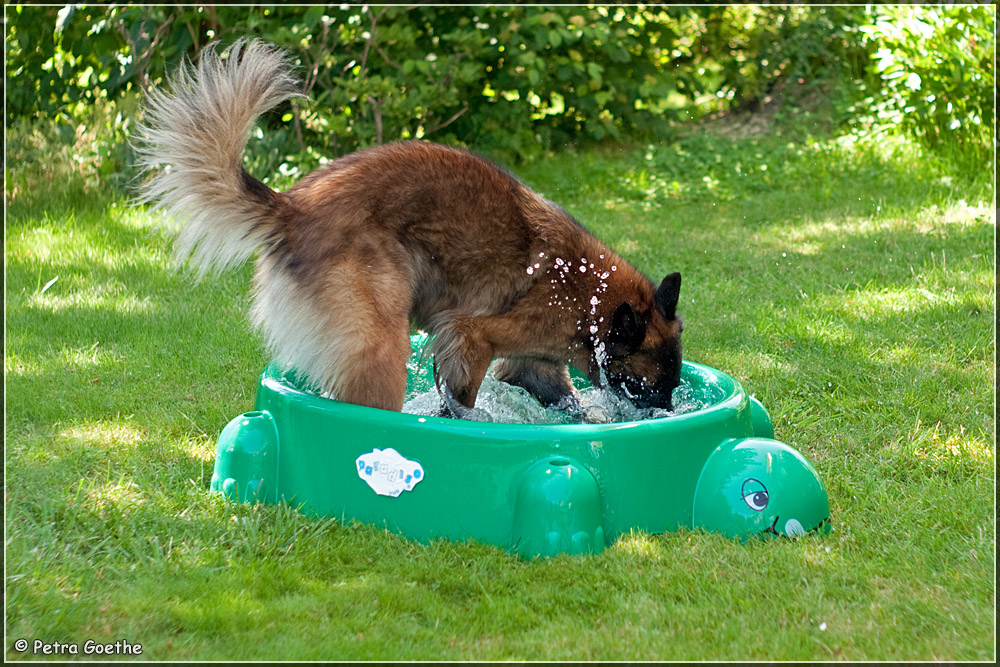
(530, 270)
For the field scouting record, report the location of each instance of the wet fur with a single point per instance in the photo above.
(408, 231)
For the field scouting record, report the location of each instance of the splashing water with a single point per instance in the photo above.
(504, 403)
(501, 402)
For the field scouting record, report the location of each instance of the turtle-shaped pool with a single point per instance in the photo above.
(535, 489)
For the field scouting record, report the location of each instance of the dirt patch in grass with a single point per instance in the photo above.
(761, 117)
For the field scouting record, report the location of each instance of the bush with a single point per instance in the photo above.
(753, 49)
(932, 75)
(517, 79)
(513, 81)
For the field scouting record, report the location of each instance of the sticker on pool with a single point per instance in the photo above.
(388, 472)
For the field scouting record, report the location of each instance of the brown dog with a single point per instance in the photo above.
(405, 231)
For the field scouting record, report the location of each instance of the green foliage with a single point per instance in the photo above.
(744, 53)
(933, 77)
(512, 81)
(515, 78)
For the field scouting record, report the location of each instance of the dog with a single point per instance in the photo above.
(403, 232)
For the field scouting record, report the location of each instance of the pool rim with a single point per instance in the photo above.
(274, 378)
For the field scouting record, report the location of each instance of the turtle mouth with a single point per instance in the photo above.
(772, 530)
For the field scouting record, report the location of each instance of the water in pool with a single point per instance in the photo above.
(501, 402)
(504, 403)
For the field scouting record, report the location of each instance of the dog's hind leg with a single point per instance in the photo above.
(548, 381)
(376, 375)
(345, 326)
(371, 318)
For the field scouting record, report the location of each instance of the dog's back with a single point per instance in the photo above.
(456, 222)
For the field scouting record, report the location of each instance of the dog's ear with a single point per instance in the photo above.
(627, 328)
(667, 295)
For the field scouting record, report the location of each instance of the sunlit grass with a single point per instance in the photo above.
(849, 287)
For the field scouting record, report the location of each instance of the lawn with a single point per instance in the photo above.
(848, 284)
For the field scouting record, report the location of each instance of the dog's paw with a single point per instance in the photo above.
(452, 409)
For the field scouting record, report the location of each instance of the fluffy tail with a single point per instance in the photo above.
(193, 138)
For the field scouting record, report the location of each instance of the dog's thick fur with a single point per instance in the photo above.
(400, 232)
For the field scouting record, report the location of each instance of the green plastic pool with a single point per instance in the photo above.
(538, 490)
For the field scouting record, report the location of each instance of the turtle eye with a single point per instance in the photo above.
(754, 494)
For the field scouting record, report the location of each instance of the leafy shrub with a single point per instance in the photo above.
(510, 81)
(516, 78)
(751, 50)
(933, 77)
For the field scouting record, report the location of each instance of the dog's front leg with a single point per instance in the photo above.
(461, 359)
(449, 406)
(548, 381)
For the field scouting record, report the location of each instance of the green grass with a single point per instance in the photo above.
(850, 287)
